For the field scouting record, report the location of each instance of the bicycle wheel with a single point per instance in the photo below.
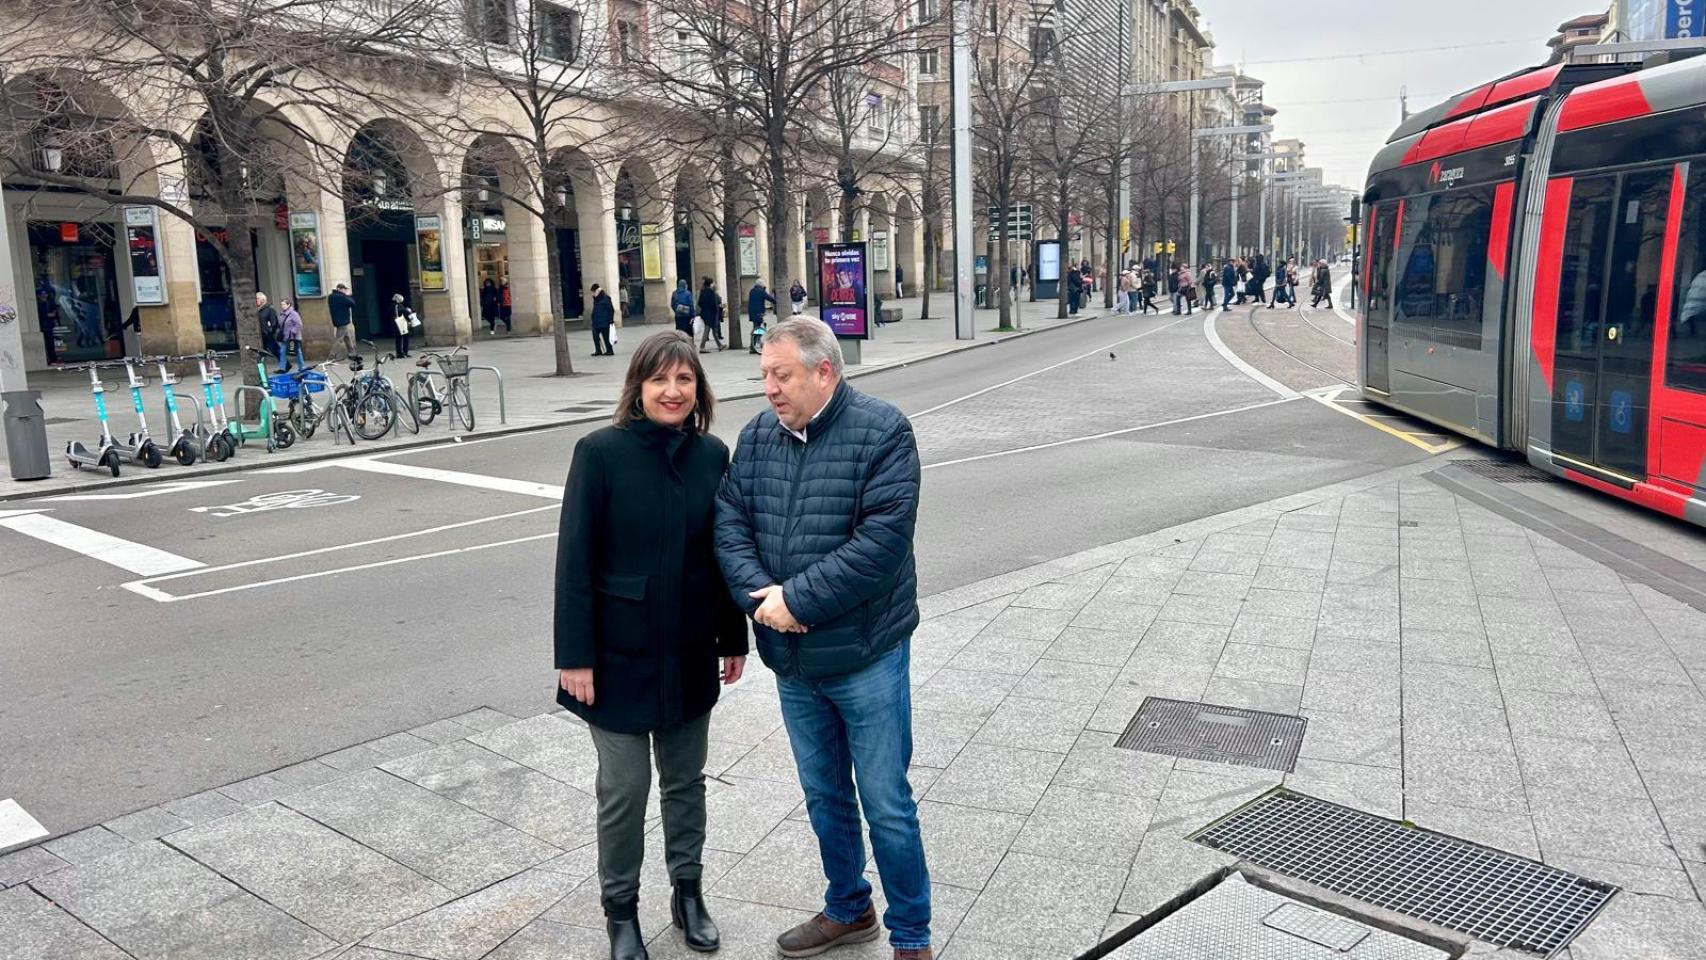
(421, 398)
(461, 403)
(409, 418)
(338, 423)
(373, 415)
(304, 416)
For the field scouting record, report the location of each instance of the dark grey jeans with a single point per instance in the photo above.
(624, 779)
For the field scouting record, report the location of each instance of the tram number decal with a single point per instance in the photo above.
(281, 500)
(1574, 401)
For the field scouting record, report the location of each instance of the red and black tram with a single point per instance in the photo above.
(1535, 270)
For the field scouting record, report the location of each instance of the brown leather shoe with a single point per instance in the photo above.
(821, 934)
(924, 953)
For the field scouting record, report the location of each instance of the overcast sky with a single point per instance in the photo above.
(1338, 87)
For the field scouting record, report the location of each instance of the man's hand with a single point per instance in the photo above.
(578, 683)
(733, 667)
(773, 611)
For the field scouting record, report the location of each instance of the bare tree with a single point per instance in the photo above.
(1067, 145)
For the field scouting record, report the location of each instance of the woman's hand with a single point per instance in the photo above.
(578, 684)
(733, 667)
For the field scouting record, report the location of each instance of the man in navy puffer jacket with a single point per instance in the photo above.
(814, 536)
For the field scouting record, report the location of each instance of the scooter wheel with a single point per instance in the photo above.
(184, 454)
(220, 448)
(151, 456)
(284, 434)
(110, 459)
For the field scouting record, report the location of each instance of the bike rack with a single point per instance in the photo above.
(242, 388)
(502, 417)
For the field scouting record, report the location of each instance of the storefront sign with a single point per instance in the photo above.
(1048, 260)
(844, 282)
(68, 233)
(748, 238)
(490, 225)
(142, 238)
(651, 251)
(305, 254)
(879, 250)
(1683, 18)
(429, 251)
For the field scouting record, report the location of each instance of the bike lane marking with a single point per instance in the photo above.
(479, 481)
(17, 826)
(138, 558)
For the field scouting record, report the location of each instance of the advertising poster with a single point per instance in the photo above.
(844, 285)
(429, 251)
(142, 237)
(879, 250)
(1048, 260)
(651, 251)
(748, 252)
(305, 254)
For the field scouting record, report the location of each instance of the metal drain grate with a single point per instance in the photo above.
(1203, 731)
(1503, 471)
(1475, 890)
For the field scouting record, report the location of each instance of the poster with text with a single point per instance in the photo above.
(748, 252)
(142, 237)
(879, 250)
(651, 251)
(429, 251)
(305, 254)
(844, 285)
(1048, 260)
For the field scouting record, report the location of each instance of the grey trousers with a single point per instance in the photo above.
(624, 779)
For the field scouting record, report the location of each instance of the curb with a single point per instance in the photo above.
(208, 470)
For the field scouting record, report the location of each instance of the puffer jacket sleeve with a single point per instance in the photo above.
(737, 542)
(730, 617)
(579, 545)
(868, 563)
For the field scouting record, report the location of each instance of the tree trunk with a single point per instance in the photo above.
(930, 257)
(730, 230)
(1109, 290)
(240, 262)
(559, 318)
(777, 204)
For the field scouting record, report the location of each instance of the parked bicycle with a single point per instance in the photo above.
(321, 399)
(378, 408)
(429, 399)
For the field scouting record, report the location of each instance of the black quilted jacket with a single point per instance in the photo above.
(831, 520)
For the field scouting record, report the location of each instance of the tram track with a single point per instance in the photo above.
(1250, 318)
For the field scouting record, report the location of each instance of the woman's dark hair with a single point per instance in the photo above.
(662, 351)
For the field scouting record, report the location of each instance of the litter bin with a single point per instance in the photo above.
(26, 435)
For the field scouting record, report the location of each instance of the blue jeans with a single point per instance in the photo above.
(862, 724)
(284, 355)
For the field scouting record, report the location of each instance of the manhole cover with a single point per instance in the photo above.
(1203, 731)
(1485, 893)
(1503, 471)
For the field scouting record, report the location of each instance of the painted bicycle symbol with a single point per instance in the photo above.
(281, 500)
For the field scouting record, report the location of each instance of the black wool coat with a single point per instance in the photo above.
(640, 598)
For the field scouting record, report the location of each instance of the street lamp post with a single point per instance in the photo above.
(1196, 189)
(965, 322)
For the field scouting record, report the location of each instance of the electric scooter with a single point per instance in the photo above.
(139, 447)
(275, 430)
(106, 455)
(187, 448)
(216, 443)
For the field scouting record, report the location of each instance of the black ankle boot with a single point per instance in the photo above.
(687, 907)
(622, 922)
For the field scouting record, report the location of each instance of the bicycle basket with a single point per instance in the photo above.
(454, 365)
(285, 386)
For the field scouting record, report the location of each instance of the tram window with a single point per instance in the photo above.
(1685, 358)
(1444, 279)
(1632, 285)
(1581, 276)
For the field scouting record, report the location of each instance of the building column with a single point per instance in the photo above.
(529, 273)
(798, 265)
(593, 208)
(175, 328)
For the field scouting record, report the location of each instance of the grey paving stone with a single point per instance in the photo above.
(989, 653)
(1297, 634)
(1312, 523)
(31, 928)
(739, 813)
(1356, 656)
(1353, 738)
(1027, 623)
(949, 629)
(1058, 596)
(1031, 724)
(1514, 638)
(552, 746)
(1129, 618)
(1666, 750)
(1178, 640)
(1227, 561)
(261, 789)
(1363, 553)
(202, 807)
(1370, 796)
(1362, 572)
(1096, 764)
(504, 790)
(399, 745)
(1501, 830)
(749, 933)
(1608, 828)
(1484, 780)
(87, 846)
(484, 718)
(583, 908)
(1433, 685)
(1254, 695)
(146, 824)
(473, 926)
(443, 731)
(545, 940)
(1565, 675)
(1065, 681)
(1517, 584)
(1233, 541)
(774, 760)
(1632, 701)
(1445, 617)
(318, 876)
(938, 736)
(1361, 597)
(1277, 665)
(1684, 816)
(1194, 798)
(1290, 578)
(310, 773)
(996, 778)
(1530, 611)
(784, 870)
(359, 757)
(1071, 823)
(1585, 766)
(1203, 583)
(1139, 590)
(746, 716)
(1536, 714)
(1180, 548)
(1345, 691)
(1632, 877)
(1643, 927)
(1042, 902)
(27, 864)
(158, 904)
(962, 845)
(459, 848)
(963, 691)
(1165, 866)
(1638, 663)
(1166, 569)
(1194, 609)
(1436, 578)
(1111, 648)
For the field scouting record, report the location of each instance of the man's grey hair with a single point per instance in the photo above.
(813, 337)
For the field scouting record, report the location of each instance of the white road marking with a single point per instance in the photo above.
(151, 490)
(164, 597)
(1246, 369)
(1344, 286)
(1053, 366)
(1110, 433)
(138, 558)
(143, 587)
(477, 480)
(17, 826)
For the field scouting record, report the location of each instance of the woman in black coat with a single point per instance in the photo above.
(711, 312)
(642, 617)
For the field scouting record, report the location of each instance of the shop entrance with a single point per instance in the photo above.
(76, 285)
(569, 265)
(218, 306)
(382, 269)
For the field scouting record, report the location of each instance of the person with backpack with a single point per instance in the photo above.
(289, 336)
(710, 313)
(342, 307)
(1209, 277)
(1228, 284)
(1184, 291)
(1146, 288)
(681, 305)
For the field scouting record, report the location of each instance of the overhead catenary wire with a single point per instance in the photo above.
(1395, 53)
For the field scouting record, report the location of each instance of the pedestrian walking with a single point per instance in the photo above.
(1074, 290)
(757, 299)
(506, 308)
(642, 620)
(490, 303)
(342, 307)
(1146, 289)
(1128, 290)
(899, 283)
(1209, 279)
(603, 318)
(1323, 286)
(1291, 283)
(797, 298)
(815, 527)
(267, 314)
(405, 321)
(1013, 279)
(289, 336)
(681, 305)
(1184, 291)
(1228, 283)
(710, 313)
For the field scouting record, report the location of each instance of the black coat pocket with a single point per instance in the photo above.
(623, 624)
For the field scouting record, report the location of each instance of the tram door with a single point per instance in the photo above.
(1380, 248)
(1608, 295)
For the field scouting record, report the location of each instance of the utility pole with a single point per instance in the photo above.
(965, 322)
(1403, 104)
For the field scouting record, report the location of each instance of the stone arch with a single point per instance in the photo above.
(909, 265)
(699, 247)
(389, 179)
(504, 241)
(578, 199)
(881, 244)
(642, 210)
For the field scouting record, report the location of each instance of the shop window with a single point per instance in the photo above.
(1685, 358)
(559, 32)
(1444, 277)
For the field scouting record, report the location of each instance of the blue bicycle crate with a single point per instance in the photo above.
(283, 385)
